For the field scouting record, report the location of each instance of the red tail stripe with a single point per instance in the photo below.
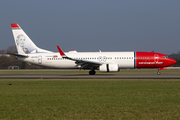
(14, 25)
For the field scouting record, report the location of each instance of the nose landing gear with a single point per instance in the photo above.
(158, 72)
(160, 69)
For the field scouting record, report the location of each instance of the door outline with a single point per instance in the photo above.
(40, 59)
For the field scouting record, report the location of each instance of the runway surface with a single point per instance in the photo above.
(89, 76)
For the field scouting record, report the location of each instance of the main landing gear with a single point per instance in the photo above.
(92, 72)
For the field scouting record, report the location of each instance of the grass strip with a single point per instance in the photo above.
(90, 99)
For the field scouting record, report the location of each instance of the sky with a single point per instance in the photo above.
(93, 25)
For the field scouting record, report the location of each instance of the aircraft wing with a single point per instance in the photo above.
(79, 62)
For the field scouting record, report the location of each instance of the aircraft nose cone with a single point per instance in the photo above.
(172, 61)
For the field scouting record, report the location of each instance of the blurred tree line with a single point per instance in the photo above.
(176, 56)
(9, 60)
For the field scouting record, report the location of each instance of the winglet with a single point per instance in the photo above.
(61, 52)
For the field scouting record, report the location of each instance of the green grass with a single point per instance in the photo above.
(90, 99)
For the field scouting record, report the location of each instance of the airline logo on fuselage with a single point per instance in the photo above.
(102, 58)
(156, 58)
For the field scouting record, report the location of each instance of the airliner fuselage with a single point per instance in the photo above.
(103, 61)
(123, 59)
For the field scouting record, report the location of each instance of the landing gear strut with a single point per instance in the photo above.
(158, 71)
(92, 72)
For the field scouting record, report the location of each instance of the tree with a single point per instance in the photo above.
(12, 49)
(11, 60)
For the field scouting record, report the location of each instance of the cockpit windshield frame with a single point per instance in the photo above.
(165, 57)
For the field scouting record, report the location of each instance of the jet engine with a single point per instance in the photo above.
(109, 68)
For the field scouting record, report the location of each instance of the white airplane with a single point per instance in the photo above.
(102, 61)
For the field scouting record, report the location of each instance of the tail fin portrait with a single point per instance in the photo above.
(23, 43)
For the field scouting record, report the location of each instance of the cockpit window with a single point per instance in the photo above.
(165, 57)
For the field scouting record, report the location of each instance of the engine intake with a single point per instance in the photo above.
(109, 68)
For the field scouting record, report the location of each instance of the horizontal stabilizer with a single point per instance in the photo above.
(18, 55)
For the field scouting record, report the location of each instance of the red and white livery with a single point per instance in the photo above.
(102, 61)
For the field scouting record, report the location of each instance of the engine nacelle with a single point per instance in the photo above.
(109, 68)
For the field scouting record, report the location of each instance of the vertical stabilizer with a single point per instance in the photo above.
(23, 43)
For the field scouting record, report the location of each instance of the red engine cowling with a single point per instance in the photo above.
(109, 68)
